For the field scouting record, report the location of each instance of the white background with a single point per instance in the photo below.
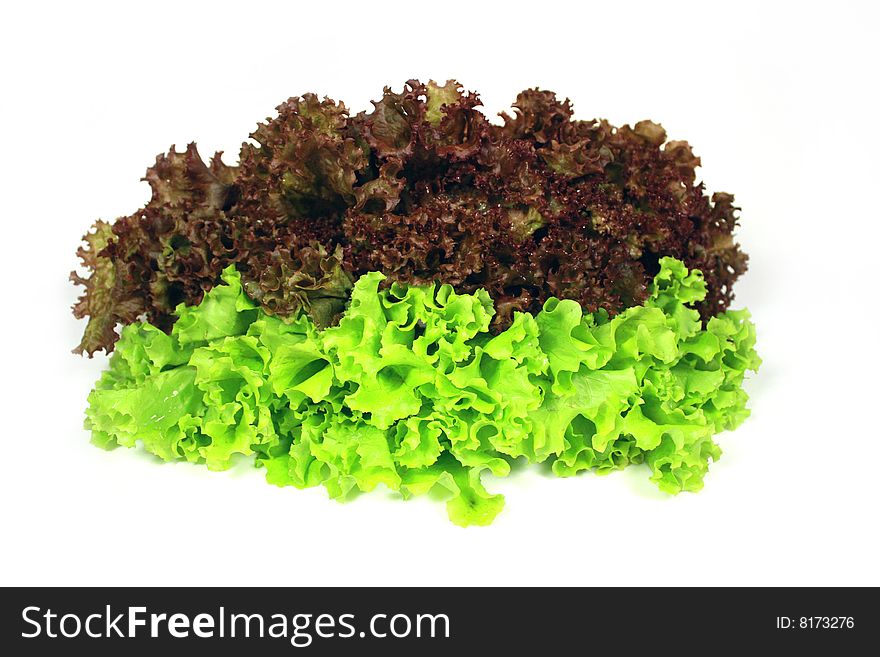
(780, 100)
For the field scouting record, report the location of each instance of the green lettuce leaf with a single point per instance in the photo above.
(411, 390)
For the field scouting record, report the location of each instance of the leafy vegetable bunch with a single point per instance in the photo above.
(425, 190)
(413, 391)
(414, 296)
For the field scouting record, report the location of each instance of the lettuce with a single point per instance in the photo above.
(424, 187)
(412, 390)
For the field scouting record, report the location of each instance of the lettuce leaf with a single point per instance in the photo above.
(413, 391)
(424, 187)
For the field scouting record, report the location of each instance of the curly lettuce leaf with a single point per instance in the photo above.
(424, 188)
(412, 391)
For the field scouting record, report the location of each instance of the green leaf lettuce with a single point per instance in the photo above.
(413, 391)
